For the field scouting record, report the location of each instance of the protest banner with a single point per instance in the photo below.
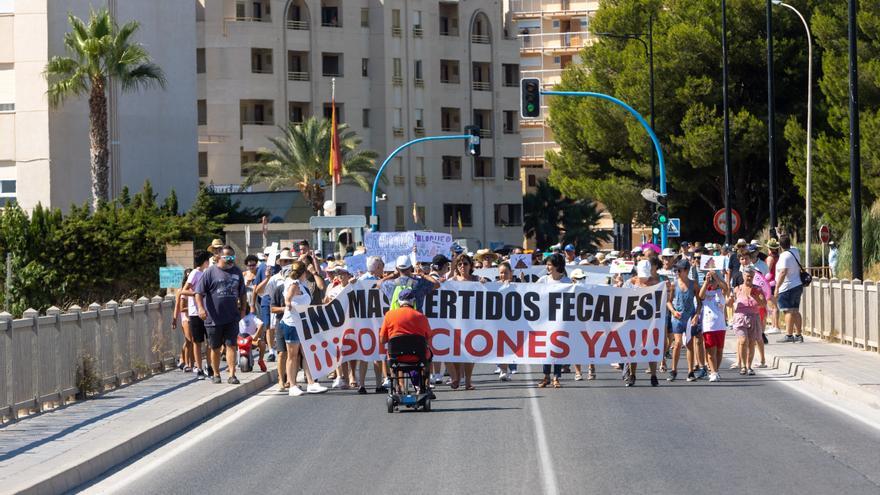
(495, 323)
(390, 245)
(170, 277)
(712, 263)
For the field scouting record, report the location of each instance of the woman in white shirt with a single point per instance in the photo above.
(556, 274)
(295, 294)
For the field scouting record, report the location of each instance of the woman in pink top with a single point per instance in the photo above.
(747, 299)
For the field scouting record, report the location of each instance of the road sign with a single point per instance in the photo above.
(650, 195)
(824, 234)
(338, 222)
(673, 228)
(720, 221)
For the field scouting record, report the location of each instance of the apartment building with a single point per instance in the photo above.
(44, 153)
(403, 69)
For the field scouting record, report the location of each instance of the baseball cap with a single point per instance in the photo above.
(643, 269)
(569, 247)
(404, 262)
(406, 296)
(682, 264)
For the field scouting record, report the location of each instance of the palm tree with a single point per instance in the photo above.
(97, 52)
(300, 159)
(551, 218)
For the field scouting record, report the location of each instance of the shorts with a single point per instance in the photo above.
(790, 300)
(680, 325)
(223, 334)
(747, 325)
(289, 332)
(197, 329)
(265, 315)
(715, 338)
(280, 345)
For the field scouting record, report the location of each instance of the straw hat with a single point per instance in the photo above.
(215, 244)
(483, 254)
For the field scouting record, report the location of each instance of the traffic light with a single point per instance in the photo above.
(473, 143)
(530, 105)
(662, 210)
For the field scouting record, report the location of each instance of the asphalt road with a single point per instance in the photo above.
(747, 435)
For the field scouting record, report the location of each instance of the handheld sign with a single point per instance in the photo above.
(712, 263)
(520, 261)
(622, 266)
(170, 277)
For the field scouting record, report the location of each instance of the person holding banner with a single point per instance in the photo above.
(505, 276)
(713, 293)
(295, 294)
(439, 272)
(556, 274)
(375, 271)
(646, 276)
(462, 271)
(746, 301)
(684, 314)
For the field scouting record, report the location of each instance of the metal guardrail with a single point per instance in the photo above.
(481, 86)
(297, 76)
(843, 311)
(298, 25)
(122, 340)
(482, 39)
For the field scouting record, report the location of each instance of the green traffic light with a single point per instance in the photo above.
(663, 219)
(530, 107)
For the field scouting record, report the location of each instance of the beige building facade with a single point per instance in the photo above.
(44, 153)
(403, 69)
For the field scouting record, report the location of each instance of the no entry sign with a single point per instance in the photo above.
(720, 221)
(824, 234)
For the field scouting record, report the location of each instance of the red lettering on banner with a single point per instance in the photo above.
(591, 341)
(349, 343)
(644, 342)
(456, 342)
(632, 341)
(556, 339)
(534, 352)
(656, 335)
(372, 343)
(315, 358)
(504, 340)
(434, 349)
(613, 344)
(469, 342)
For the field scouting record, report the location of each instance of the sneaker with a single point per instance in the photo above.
(438, 378)
(578, 377)
(504, 377)
(200, 375)
(591, 376)
(387, 382)
(713, 377)
(216, 379)
(786, 340)
(672, 376)
(271, 357)
(497, 370)
(315, 388)
(181, 366)
(210, 370)
(295, 391)
(362, 391)
(751, 372)
(187, 369)
(630, 380)
(764, 338)
(232, 380)
(300, 376)
(691, 377)
(513, 371)
(381, 389)
(799, 339)
(262, 365)
(337, 383)
(654, 381)
(772, 330)
(702, 373)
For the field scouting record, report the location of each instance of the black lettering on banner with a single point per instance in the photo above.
(568, 299)
(374, 304)
(631, 303)
(447, 304)
(512, 306)
(602, 312)
(479, 297)
(335, 313)
(658, 296)
(532, 312)
(357, 303)
(553, 305)
(584, 305)
(317, 319)
(465, 296)
(430, 309)
(645, 308)
(307, 330)
(494, 306)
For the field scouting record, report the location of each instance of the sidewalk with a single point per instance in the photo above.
(845, 372)
(59, 450)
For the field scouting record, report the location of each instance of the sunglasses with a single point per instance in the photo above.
(229, 259)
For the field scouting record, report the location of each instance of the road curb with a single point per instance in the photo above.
(94, 466)
(812, 373)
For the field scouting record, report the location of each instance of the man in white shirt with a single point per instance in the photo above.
(789, 290)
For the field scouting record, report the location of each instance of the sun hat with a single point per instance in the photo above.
(668, 252)
(403, 262)
(636, 250)
(643, 269)
(755, 242)
(578, 274)
(485, 253)
(741, 242)
(600, 257)
(773, 244)
(215, 244)
(285, 255)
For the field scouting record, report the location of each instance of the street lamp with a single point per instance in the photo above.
(728, 214)
(809, 182)
(771, 121)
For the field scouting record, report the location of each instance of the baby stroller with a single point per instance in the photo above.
(407, 358)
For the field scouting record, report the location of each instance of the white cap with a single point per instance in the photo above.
(578, 274)
(643, 269)
(668, 252)
(404, 262)
(755, 242)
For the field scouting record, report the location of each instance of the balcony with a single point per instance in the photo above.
(397, 131)
(399, 180)
(421, 180)
(419, 82)
(555, 43)
(533, 153)
(481, 86)
(397, 80)
(486, 133)
(481, 39)
(298, 25)
(396, 31)
(531, 9)
(418, 32)
(419, 131)
(297, 76)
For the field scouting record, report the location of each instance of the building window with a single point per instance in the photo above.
(418, 32)
(203, 163)
(365, 118)
(419, 217)
(397, 71)
(450, 119)
(341, 209)
(483, 168)
(451, 167)
(449, 72)
(7, 90)
(368, 212)
(298, 111)
(511, 122)
(455, 214)
(365, 17)
(399, 219)
(261, 60)
(331, 14)
(532, 181)
(508, 215)
(511, 75)
(511, 168)
(200, 60)
(417, 73)
(240, 12)
(331, 64)
(247, 158)
(395, 23)
(257, 112)
(202, 111)
(365, 67)
(340, 112)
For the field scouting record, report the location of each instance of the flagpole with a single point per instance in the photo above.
(333, 99)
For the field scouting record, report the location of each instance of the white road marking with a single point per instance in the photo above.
(135, 472)
(852, 410)
(547, 472)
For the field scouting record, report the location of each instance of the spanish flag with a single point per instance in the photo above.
(335, 155)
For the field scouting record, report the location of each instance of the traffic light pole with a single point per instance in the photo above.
(660, 161)
(374, 214)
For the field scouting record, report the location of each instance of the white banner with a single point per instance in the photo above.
(495, 323)
(390, 245)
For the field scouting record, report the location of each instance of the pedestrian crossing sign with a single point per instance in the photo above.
(673, 228)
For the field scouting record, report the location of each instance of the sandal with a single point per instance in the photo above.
(591, 376)
(543, 383)
(454, 385)
(470, 387)
(556, 383)
(743, 371)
